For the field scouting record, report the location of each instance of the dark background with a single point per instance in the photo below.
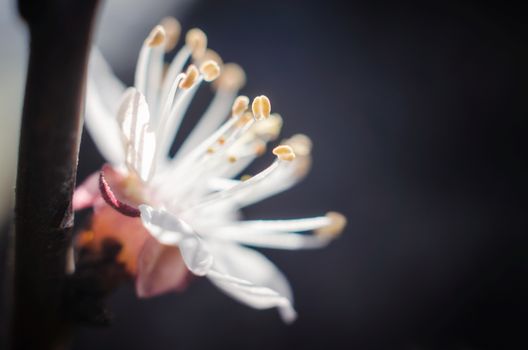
(419, 128)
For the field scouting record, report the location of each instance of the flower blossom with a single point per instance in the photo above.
(177, 214)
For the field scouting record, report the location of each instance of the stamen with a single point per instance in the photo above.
(156, 36)
(190, 77)
(149, 68)
(235, 190)
(232, 159)
(261, 107)
(212, 55)
(213, 117)
(210, 70)
(260, 148)
(301, 144)
(110, 198)
(232, 78)
(196, 40)
(245, 177)
(240, 105)
(337, 223)
(244, 119)
(269, 128)
(172, 30)
(284, 152)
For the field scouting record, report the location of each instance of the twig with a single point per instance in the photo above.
(60, 34)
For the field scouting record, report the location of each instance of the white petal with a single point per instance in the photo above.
(170, 230)
(103, 128)
(195, 255)
(104, 91)
(108, 86)
(138, 136)
(251, 278)
(166, 228)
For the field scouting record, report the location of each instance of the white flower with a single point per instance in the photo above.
(192, 201)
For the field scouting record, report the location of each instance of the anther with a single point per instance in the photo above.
(210, 70)
(190, 77)
(232, 78)
(196, 41)
(156, 37)
(284, 152)
(231, 159)
(337, 224)
(261, 107)
(240, 105)
(172, 30)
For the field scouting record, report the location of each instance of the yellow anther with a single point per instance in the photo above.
(210, 150)
(284, 152)
(190, 77)
(301, 144)
(210, 70)
(156, 36)
(172, 30)
(232, 77)
(232, 159)
(261, 107)
(196, 41)
(240, 105)
(337, 224)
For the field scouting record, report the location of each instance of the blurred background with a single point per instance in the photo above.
(418, 118)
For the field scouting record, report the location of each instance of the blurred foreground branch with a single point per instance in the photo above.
(60, 34)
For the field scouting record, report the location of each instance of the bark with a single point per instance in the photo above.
(60, 35)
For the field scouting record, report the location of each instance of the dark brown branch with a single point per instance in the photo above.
(60, 34)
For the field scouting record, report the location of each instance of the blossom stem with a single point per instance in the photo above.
(60, 33)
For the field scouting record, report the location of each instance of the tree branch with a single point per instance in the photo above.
(60, 34)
